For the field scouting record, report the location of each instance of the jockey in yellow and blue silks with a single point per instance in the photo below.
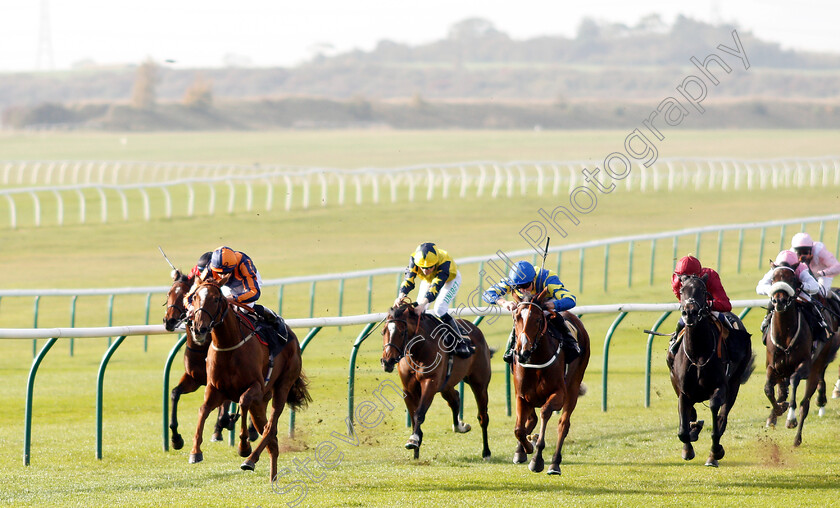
(235, 272)
(439, 284)
(523, 279)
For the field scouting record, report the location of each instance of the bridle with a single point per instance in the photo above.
(543, 327)
(693, 318)
(781, 305)
(221, 310)
(391, 344)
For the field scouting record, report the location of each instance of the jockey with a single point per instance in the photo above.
(236, 273)
(718, 300)
(809, 287)
(439, 283)
(522, 279)
(200, 266)
(822, 264)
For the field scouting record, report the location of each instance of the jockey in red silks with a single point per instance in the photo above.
(718, 300)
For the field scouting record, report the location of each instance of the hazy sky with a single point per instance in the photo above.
(201, 33)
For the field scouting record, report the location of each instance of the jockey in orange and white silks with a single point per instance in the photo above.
(439, 284)
(819, 260)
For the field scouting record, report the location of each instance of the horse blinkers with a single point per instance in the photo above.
(200, 327)
(393, 352)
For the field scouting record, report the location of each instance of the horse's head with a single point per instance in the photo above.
(784, 288)
(530, 323)
(208, 307)
(175, 309)
(693, 299)
(400, 323)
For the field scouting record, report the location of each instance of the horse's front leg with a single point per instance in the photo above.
(802, 371)
(427, 395)
(212, 400)
(554, 403)
(804, 407)
(187, 384)
(717, 405)
(526, 419)
(686, 408)
(776, 409)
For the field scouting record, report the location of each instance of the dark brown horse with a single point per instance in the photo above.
(238, 369)
(543, 379)
(195, 365)
(423, 346)
(791, 355)
(706, 367)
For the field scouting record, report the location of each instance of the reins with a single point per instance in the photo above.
(542, 332)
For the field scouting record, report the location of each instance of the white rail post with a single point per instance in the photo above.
(190, 200)
(37, 208)
(35, 169)
(231, 196)
(12, 211)
(147, 209)
(482, 179)
(168, 200)
(82, 206)
(289, 191)
(269, 195)
(322, 178)
(464, 182)
(103, 205)
(59, 201)
(249, 195)
(211, 203)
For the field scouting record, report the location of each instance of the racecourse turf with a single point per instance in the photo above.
(627, 456)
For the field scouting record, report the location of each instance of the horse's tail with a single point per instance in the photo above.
(299, 396)
(748, 370)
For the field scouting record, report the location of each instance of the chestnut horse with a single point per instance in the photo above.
(195, 365)
(238, 368)
(706, 367)
(791, 356)
(423, 347)
(543, 379)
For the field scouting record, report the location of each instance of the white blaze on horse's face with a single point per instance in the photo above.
(392, 329)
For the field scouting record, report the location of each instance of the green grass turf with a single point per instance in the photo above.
(628, 456)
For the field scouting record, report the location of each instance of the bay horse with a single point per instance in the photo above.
(195, 365)
(424, 349)
(543, 379)
(238, 368)
(791, 355)
(706, 367)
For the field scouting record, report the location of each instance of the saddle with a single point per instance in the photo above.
(571, 348)
(266, 333)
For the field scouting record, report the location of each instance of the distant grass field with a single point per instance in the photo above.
(627, 456)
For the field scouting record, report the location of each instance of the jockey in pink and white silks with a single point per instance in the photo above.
(822, 263)
(809, 287)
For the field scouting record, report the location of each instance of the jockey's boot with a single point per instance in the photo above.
(567, 341)
(508, 356)
(674, 345)
(276, 322)
(463, 345)
(766, 322)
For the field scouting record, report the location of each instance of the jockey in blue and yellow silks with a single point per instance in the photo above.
(524, 279)
(439, 284)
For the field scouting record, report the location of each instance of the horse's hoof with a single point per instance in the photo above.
(253, 435)
(791, 424)
(770, 424)
(797, 441)
(413, 442)
(462, 428)
(835, 394)
(712, 462)
(536, 466)
(195, 458)
(821, 412)
(688, 453)
(177, 441)
(486, 456)
(694, 431)
(717, 453)
(216, 438)
(248, 465)
(553, 470)
(520, 458)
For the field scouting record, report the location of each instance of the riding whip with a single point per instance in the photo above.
(167, 260)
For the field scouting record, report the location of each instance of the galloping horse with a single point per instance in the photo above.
(195, 365)
(542, 378)
(791, 356)
(238, 368)
(423, 347)
(706, 367)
